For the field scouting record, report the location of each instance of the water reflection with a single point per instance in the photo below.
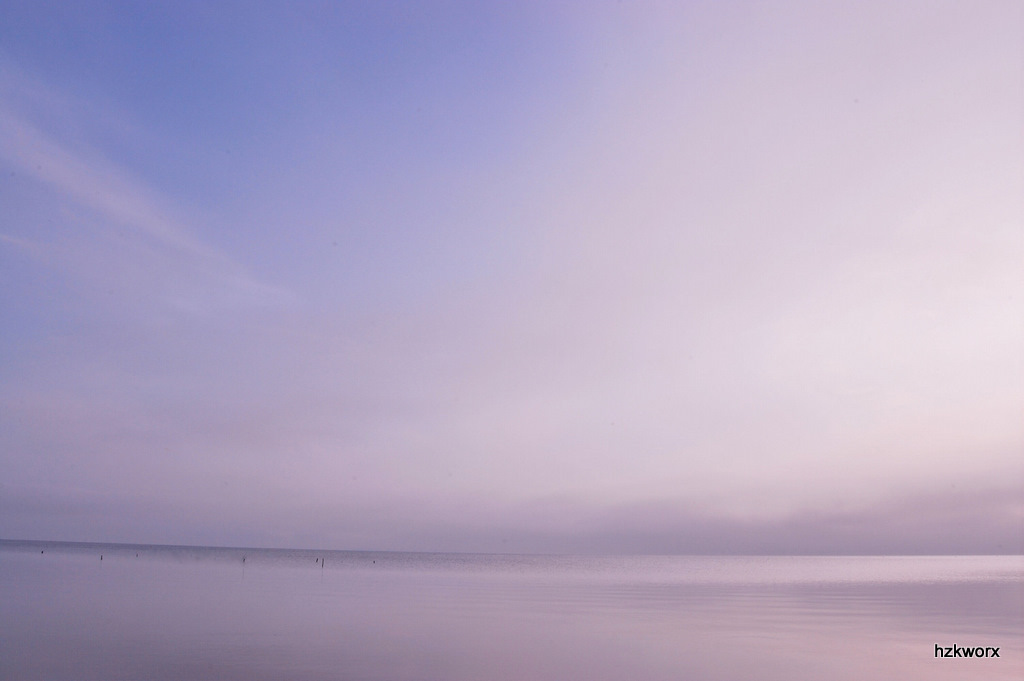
(174, 613)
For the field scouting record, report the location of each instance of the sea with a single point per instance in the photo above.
(119, 611)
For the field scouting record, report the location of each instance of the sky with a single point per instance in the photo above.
(673, 277)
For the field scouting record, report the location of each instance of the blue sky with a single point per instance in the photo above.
(544, 277)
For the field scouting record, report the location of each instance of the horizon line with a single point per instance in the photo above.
(485, 553)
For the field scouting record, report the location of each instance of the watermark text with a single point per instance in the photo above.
(965, 651)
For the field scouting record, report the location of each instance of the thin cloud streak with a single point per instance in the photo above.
(85, 178)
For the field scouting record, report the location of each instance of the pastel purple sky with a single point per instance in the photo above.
(659, 277)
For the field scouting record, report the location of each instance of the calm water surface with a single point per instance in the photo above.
(145, 612)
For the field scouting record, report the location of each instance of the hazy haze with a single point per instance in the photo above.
(683, 277)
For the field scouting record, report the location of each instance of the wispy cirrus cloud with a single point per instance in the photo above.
(104, 194)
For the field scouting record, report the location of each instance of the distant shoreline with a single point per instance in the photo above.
(201, 547)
